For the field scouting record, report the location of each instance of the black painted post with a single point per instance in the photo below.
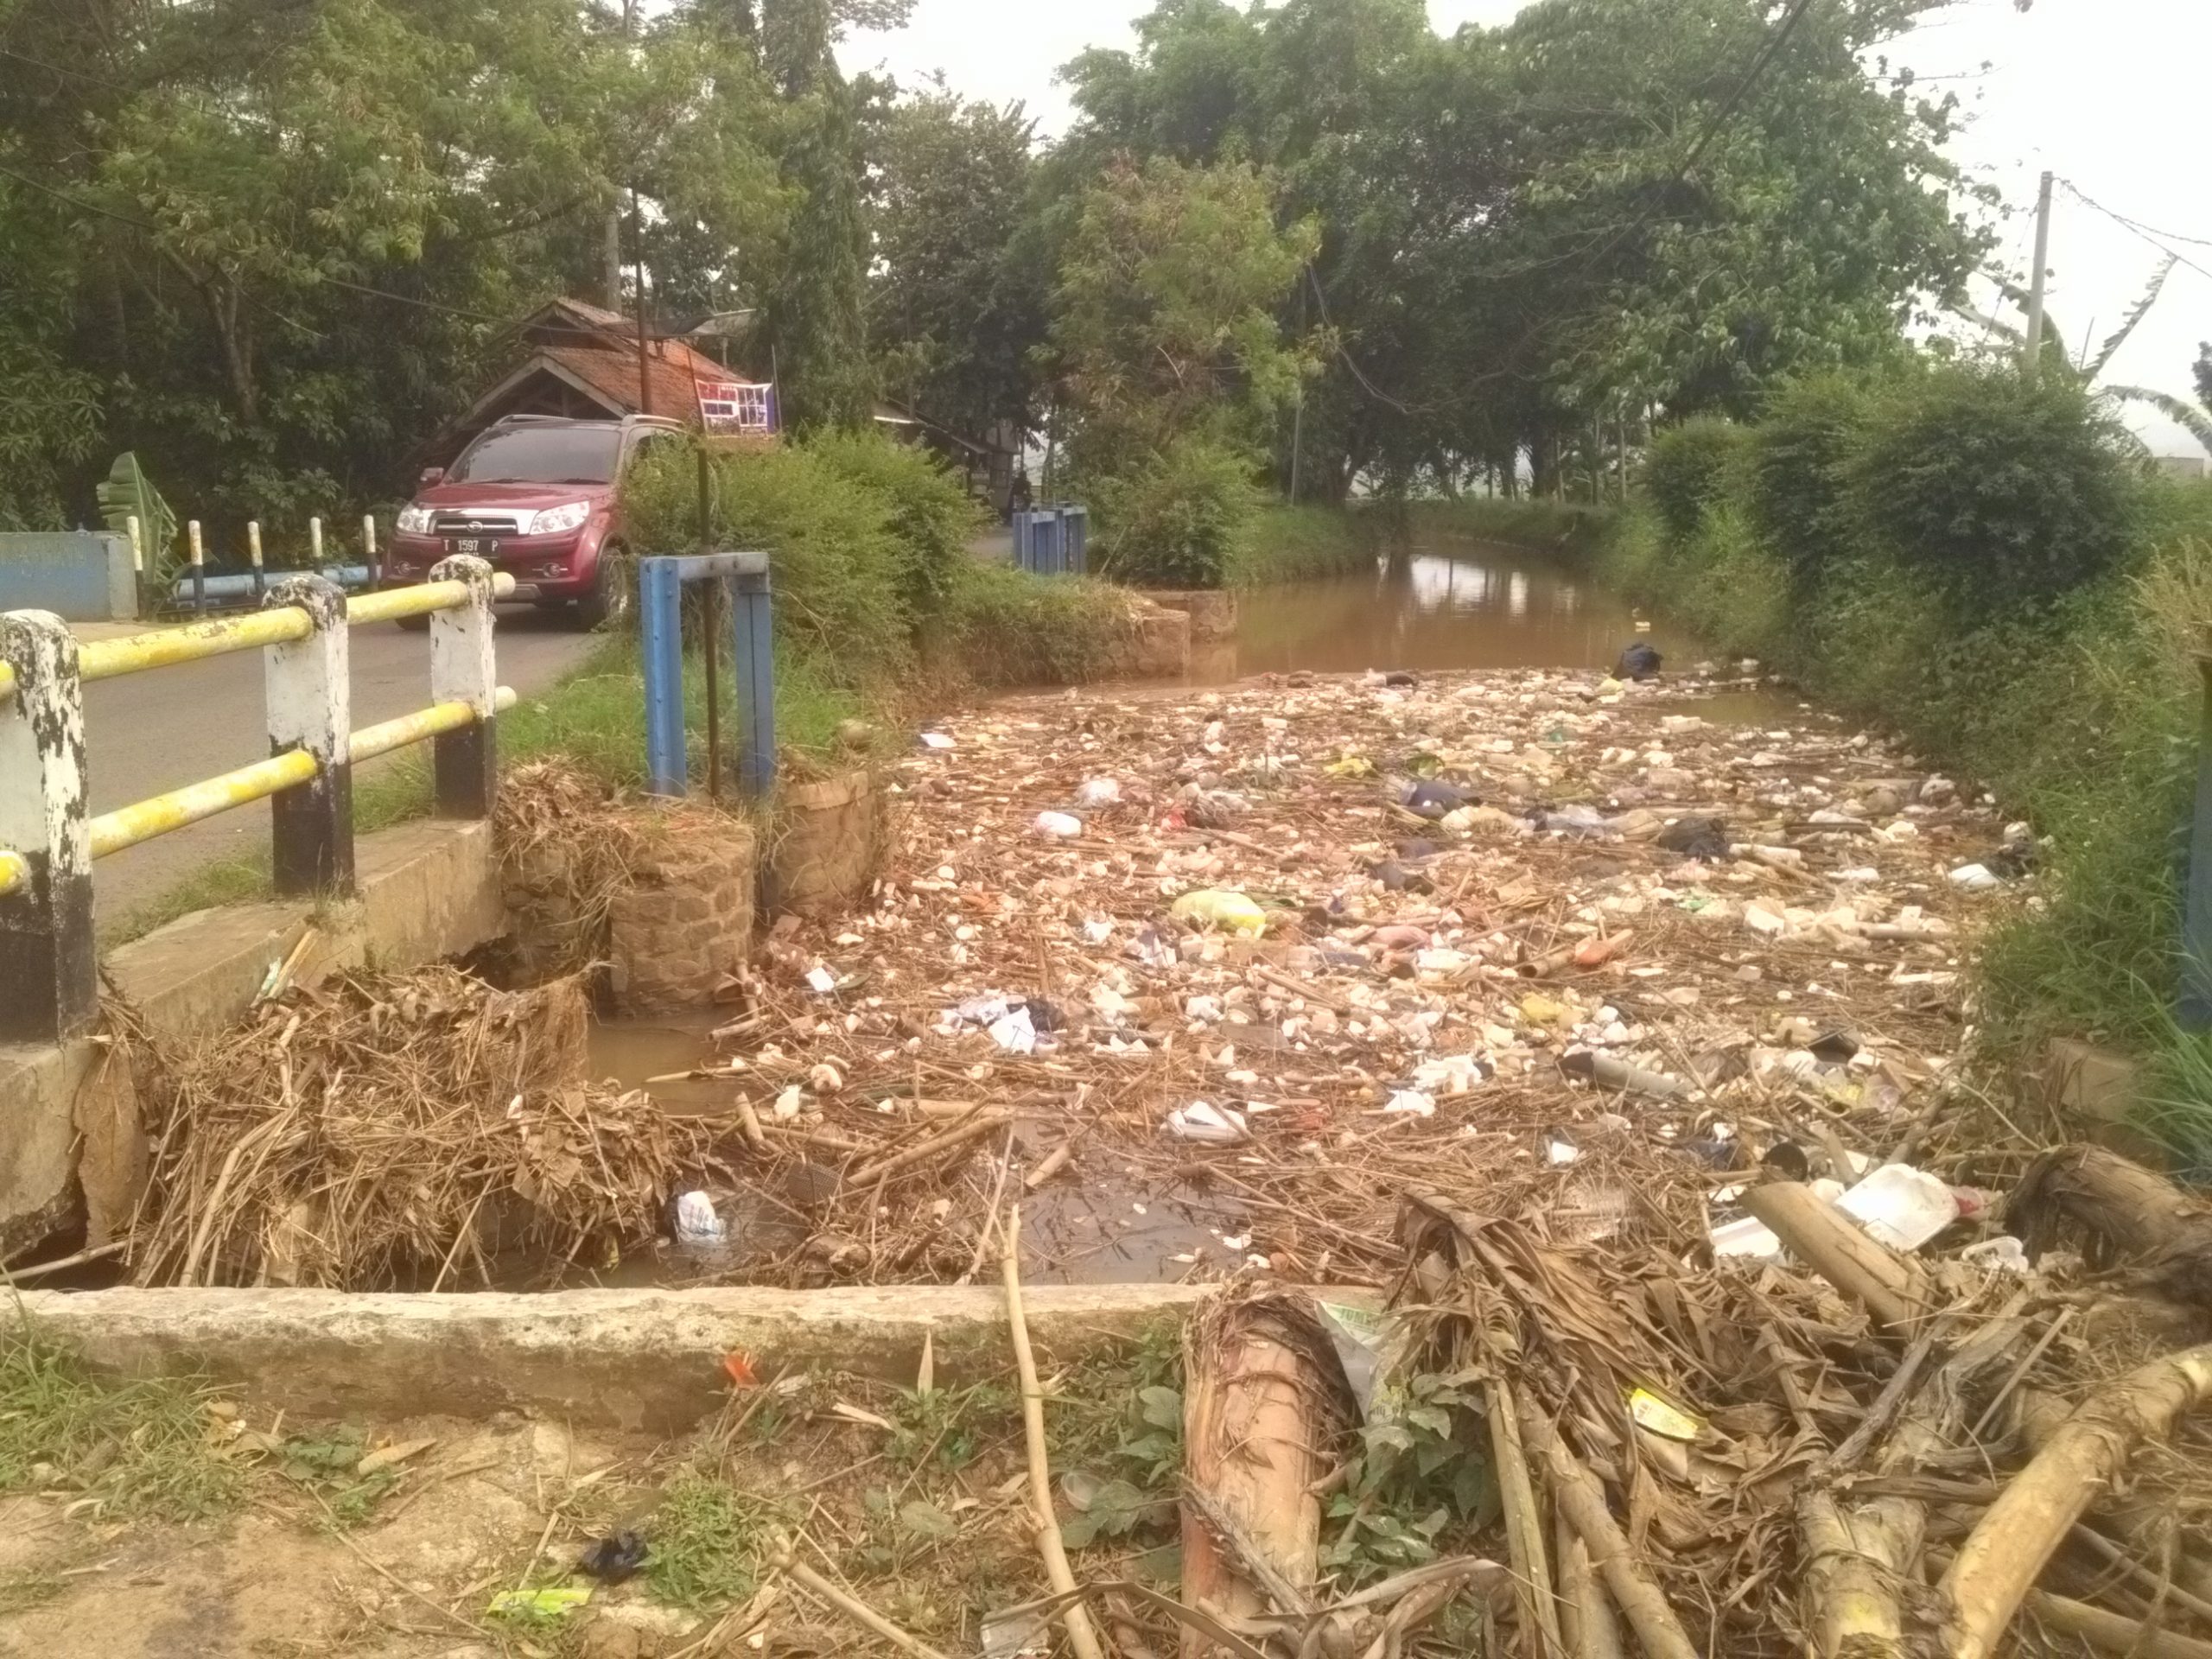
(311, 707)
(463, 669)
(49, 974)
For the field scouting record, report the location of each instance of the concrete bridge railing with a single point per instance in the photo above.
(49, 977)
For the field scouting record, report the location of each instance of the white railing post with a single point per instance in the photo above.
(311, 707)
(464, 668)
(49, 974)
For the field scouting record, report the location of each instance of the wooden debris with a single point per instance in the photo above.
(1257, 1401)
(1081, 1636)
(1999, 1563)
(1894, 1289)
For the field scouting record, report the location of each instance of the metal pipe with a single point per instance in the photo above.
(394, 602)
(108, 659)
(158, 815)
(369, 741)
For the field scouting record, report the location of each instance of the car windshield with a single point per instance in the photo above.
(541, 455)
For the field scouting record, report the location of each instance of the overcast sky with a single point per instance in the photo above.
(2104, 94)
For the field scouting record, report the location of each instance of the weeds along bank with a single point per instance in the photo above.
(1985, 566)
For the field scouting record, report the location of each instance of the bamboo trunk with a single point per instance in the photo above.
(1581, 1499)
(1999, 1562)
(1252, 1451)
(1894, 1289)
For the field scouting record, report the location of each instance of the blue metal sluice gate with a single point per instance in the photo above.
(742, 580)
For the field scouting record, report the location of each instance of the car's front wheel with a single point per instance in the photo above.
(613, 589)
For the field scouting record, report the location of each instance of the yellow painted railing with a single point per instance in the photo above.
(159, 814)
(371, 741)
(108, 659)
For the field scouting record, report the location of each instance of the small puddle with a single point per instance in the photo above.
(1080, 1229)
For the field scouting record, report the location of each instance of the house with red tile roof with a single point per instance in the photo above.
(571, 359)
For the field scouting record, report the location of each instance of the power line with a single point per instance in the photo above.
(2136, 225)
(2151, 237)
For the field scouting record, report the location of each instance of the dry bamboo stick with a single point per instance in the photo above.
(1999, 1563)
(2114, 1633)
(749, 1120)
(922, 1151)
(1081, 1636)
(1587, 1626)
(855, 1609)
(1582, 1501)
(1054, 1161)
(1524, 1520)
(1818, 1234)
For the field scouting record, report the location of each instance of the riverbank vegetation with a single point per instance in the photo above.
(1282, 252)
(1980, 563)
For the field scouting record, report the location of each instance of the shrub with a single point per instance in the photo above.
(1795, 476)
(1690, 468)
(1005, 626)
(2009, 490)
(1287, 544)
(1175, 521)
(933, 514)
(840, 563)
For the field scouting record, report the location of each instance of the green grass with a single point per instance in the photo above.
(1287, 544)
(708, 1541)
(1000, 627)
(133, 1447)
(1558, 527)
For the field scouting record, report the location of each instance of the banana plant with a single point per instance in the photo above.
(126, 492)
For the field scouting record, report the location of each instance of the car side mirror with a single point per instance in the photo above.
(432, 475)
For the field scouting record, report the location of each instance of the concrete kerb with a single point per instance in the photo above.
(629, 1359)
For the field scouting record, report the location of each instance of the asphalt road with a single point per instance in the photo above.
(148, 733)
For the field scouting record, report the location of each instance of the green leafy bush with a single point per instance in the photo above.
(933, 514)
(1796, 476)
(1690, 468)
(1003, 626)
(2009, 490)
(841, 563)
(1176, 520)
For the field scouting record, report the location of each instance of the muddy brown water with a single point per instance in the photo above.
(1443, 604)
(1095, 1225)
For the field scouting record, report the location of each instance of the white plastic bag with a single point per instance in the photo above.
(1203, 1121)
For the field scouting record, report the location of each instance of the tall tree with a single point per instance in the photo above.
(1165, 322)
(955, 309)
(816, 304)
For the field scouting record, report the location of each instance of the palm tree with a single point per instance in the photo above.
(2196, 416)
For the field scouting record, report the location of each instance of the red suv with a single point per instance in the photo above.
(539, 497)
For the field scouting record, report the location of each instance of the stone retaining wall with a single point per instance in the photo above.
(685, 923)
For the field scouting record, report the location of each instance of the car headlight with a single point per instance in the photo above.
(557, 521)
(416, 521)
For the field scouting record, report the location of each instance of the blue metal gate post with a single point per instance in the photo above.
(661, 625)
(753, 660)
(660, 596)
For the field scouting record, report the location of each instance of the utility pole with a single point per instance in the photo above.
(638, 237)
(611, 243)
(2033, 349)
